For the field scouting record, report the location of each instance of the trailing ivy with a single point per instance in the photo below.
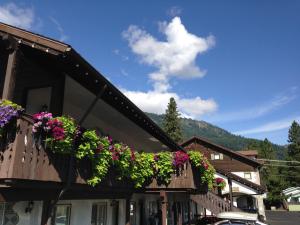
(164, 167)
(142, 169)
(206, 169)
(101, 162)
(89, 143)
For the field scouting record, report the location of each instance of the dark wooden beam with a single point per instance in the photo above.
(10, 76)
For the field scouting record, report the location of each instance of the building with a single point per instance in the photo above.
(292, 195)
(240, 172)
(39, 187)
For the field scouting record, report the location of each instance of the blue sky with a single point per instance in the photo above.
(235, 64)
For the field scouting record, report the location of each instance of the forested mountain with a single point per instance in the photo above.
(217, 135)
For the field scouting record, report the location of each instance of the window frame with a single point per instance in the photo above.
(53, 217)
(248, 173)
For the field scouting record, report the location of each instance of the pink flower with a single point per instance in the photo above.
(58, 133)
(219, 180)
(180, 158)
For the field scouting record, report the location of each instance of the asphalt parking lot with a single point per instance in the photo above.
(283, 218)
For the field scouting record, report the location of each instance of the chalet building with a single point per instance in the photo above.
(240, 172)
(253, 154)
(38, 187)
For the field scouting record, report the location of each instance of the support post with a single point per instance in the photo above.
(163, 200)
(10, 76)
(189, 211)
(230, 193)
(179, 210)
(127, 216)
(45, 219)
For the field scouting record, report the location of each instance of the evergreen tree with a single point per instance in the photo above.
(293, 154)
(269, 174)
(171, 121)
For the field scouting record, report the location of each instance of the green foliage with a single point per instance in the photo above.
(142, 169)
(171, 121)
(89, 143)
(293, 154)
(206, 169)
(269, 174)
(122, 160)
(4, 102)
(63, 146)
(101, 162)
(196, 158)
(164, 167)
(208, 174)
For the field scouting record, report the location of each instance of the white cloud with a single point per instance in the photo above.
(260, 110)
(174, 11)
(269, 127)
(156, 102)
(174, 57)
(18, 16)
(63, 37)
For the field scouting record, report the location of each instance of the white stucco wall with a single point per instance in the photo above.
(82, 209)
(255, 178)
(32, 218)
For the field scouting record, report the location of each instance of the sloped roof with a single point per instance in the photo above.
(234, 154)
(248, 152)
(261, 189)
(118, 100)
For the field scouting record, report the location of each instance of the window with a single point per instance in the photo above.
(7, 214)
(38, 99)
(247, 175)
(217, 156)
(99, 213)
(61, 215)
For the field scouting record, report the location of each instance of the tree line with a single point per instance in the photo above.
(274, 175)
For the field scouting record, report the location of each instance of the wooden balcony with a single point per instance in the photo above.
(23, 159)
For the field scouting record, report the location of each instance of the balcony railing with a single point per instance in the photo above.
(23, 158)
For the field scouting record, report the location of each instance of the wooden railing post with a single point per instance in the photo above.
(164, 200)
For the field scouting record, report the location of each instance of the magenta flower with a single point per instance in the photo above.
(180, 158)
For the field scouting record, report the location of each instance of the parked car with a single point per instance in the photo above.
(238, 218)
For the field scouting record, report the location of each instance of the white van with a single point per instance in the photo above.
(238, 218)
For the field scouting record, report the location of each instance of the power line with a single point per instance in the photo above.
(274, 160)
(265, 165)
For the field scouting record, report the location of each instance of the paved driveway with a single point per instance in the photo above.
(283, 218)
